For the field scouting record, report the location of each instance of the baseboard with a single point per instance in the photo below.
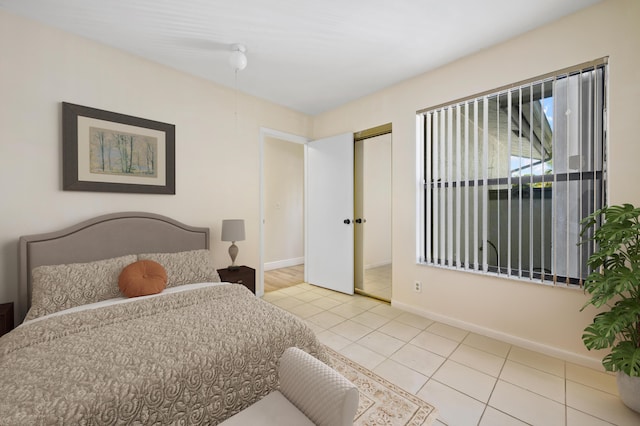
(509, 338)
(283, 263)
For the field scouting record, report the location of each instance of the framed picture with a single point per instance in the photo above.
(110, 152)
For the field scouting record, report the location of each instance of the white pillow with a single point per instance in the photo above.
(186, 267)
(58, 287)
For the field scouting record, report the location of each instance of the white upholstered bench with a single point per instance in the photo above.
(311, 393)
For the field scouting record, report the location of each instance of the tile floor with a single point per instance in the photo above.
(471, 379)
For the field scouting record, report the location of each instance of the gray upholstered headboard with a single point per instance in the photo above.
(104, 237)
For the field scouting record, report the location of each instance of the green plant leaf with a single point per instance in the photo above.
(596, 338)
(614, 232)
(619, 322)
(623, 357)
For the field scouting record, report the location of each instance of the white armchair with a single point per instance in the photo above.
(311, 393)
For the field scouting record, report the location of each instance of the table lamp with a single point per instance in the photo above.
(233, 230)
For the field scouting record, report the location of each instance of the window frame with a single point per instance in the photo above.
(425, 213)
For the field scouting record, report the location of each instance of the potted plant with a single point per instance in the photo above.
(614, 287)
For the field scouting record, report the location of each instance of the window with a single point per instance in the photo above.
(506, 177)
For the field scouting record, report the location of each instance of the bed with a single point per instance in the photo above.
(197, 353)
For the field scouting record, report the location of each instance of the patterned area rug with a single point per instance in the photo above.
(382, 402)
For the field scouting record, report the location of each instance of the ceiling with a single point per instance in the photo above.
(307, 55)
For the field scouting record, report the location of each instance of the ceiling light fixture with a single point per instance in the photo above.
(238, 58)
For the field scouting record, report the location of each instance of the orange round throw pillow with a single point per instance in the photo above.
(142, 278)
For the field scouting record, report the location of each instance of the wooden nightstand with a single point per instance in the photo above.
(6, 318)
(244, 275)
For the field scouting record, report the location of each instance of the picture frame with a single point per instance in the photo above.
(110, 152)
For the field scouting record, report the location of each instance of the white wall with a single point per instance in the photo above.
(532, 315)
(41, 67)
(283, 203)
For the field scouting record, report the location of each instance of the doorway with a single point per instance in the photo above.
(372, 196)
(370, 225)
(282, 256)
(283, 213)
(338, 256)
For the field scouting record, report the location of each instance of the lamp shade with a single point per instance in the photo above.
(233, 230)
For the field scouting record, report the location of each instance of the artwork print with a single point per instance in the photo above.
(119, 153)
(111, 152)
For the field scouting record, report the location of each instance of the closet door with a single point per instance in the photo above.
(329, 213)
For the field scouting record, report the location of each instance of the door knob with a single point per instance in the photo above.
(347, 221)
(359, 220)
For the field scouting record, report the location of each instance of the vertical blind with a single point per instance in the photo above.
(507, 176)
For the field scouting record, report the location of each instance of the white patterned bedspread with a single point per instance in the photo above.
(192, 357)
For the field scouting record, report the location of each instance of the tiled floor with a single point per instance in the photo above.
(471, 379)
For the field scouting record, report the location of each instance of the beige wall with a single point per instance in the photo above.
(283, 203)
(217, 172)
(536, 316)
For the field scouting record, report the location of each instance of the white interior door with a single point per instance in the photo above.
(329, 213)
